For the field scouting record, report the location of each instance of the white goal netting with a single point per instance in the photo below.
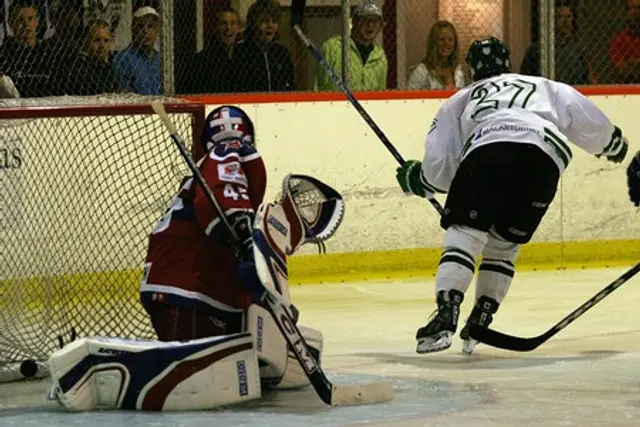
(82, 183)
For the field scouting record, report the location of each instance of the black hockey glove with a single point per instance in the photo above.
(617, 148)
(633, 179)
(242, 225)
(246, 273)
(409, 176)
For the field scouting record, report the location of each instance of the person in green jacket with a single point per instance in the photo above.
(368, 68)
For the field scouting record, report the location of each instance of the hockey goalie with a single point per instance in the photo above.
(217, 344)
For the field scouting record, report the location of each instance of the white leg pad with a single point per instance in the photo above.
(279, 367)
(269, 343)
(294, 376)
(92, 373)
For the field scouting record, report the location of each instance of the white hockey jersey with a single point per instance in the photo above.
(518, 109)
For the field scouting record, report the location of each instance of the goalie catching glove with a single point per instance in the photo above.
(308, 211)
(412, 181)
(633, 179)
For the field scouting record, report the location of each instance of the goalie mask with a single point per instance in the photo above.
(227, 123)
(318, 208)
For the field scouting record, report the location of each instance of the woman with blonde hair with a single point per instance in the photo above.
(441, 68)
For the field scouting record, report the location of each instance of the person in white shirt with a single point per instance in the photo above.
(498, 147)
(441, 67)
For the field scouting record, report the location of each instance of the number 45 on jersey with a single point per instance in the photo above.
(235, 192)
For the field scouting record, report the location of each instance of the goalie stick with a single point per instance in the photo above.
(510, 342)
(331, 394)
(359, 108)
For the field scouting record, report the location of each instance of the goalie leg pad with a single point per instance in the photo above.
(279, 367)
(201, 374)
(294, 376)
(269, 343)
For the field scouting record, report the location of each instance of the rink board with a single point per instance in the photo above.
(384, 234)
(330, 268)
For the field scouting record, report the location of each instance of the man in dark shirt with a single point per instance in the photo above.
(571, 63)
(32, 64)
(261, 63)
(213, 69)
(91, 72)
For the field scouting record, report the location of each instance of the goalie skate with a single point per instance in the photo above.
(437, 334)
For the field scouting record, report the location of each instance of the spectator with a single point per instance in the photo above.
(261, 63)
(91, 72)
(66, 19)
(441, 68)
(33, 64)
(624, 48)
(571, 63)
(137, 67)
(368, 67)
(214, 64)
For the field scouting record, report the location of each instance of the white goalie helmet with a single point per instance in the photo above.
(318, 207)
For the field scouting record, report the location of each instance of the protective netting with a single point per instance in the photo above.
(87, 47)
(82, 186)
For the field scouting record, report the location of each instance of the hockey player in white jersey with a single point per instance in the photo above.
(498, 148)
(102, 373)
(633, 179)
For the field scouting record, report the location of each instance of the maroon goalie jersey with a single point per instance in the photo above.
(190, 260)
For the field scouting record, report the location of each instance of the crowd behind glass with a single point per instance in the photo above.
(245, 53)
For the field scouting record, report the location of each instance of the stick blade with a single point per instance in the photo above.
(504, 341)
(364, 394)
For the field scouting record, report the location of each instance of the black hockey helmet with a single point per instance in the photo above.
(488, 57)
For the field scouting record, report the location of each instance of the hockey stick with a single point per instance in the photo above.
(510, 342)
(330, 393)
(297, 11)
(359, 108)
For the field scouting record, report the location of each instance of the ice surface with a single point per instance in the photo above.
(588, 375)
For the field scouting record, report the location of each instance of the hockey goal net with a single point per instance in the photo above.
(81, 186)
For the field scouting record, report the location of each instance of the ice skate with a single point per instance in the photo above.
(482, 314)
(437, 334)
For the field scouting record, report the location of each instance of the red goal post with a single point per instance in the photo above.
(83, 182)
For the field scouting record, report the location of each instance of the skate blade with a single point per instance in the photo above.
(468, 346)
(429, 345)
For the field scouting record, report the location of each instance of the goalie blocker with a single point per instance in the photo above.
(206, 373)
